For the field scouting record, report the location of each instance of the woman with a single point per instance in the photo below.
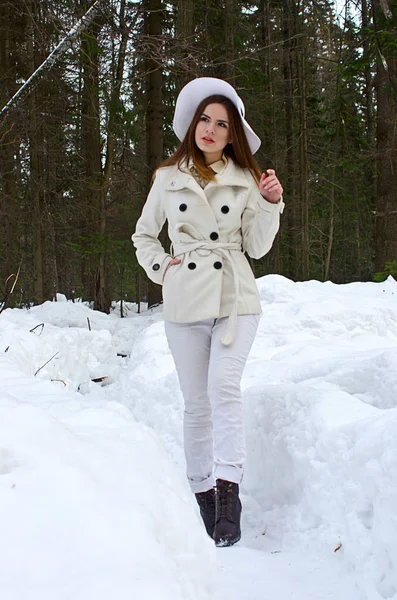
(218, 206)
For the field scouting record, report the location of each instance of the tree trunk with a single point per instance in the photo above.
(368, 73)
(386, 161)
(103, 295)
(304, 165)
(291, 218)
(8, 148)
(229, 28)
(36, 179)
(215, 29)
(91, 151)
(331, 225)
(155, 111)
(185, 31)
(269, 134)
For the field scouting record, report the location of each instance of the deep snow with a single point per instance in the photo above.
(93, 499)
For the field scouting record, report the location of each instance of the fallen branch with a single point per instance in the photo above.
(56, 354)
(60, 381)
(39, 325)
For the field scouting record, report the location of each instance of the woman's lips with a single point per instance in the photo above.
(208, 141)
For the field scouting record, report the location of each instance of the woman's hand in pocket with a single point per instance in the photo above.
(174, 261)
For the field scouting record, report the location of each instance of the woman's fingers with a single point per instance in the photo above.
(174, 261)
(273, 185)
(270, 187)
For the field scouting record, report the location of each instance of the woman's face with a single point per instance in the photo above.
(213, 132)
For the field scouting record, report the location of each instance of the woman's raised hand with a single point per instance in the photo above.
(270, 187)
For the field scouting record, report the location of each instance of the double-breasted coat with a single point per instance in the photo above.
(210, 229)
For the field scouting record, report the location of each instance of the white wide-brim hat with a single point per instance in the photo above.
(197, 90)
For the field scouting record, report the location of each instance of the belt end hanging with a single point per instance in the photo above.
(228, 337)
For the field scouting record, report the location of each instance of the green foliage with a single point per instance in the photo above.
(389, 269)
(117, 252)
(267, 50)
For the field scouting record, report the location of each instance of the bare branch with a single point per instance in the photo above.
(40, 325)
(7, 294)
(63, 45)
(56, 354)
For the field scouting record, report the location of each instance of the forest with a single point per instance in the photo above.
(78, 150)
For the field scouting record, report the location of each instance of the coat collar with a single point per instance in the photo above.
(232, 176)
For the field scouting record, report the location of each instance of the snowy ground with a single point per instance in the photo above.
(93, 499)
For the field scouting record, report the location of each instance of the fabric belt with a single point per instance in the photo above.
(222, 249)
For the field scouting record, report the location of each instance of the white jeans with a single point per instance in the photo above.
(209, 375)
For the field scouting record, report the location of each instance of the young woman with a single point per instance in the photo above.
(218, 206)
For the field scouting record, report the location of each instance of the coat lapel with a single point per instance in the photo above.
(178, 180)
(232, 176)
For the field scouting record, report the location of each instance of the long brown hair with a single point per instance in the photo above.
(238, 151)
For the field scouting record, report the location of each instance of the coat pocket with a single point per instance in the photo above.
(169, 276)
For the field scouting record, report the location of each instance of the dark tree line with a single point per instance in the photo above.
(77, 155)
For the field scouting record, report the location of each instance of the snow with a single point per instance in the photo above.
(93, 497)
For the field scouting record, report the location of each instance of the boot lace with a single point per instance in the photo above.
(225, 495)
(206, 500)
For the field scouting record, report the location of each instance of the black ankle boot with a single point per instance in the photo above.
(228, 513)
(206, 502)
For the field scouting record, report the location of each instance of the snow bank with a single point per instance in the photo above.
(90, 504)
(92, 507)
(321, 414)
(321, 422)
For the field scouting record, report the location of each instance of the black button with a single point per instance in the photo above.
(225, 209)
(192, 266)
(214, 236)
(156, 267)
(182, 207)
(218, 265)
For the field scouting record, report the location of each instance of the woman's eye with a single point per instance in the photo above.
(222, 124)
(204, 119)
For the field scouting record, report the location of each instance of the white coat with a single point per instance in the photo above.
(210, 229)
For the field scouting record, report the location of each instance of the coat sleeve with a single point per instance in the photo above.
(149, 251)
(260, 223)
